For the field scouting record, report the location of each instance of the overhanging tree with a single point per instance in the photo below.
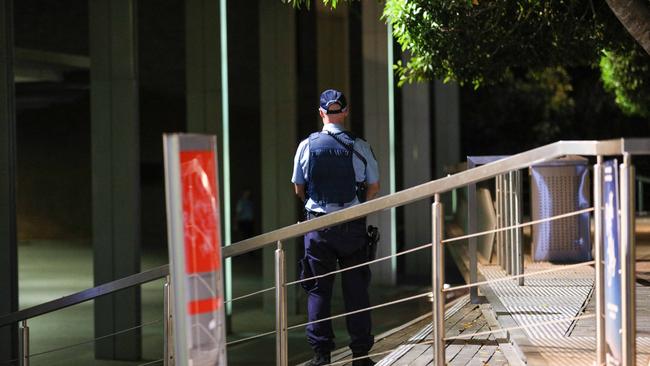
(486, 42)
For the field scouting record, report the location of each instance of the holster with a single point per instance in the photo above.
(362, 188)
(373, 241)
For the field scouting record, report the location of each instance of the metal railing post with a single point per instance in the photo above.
(497, 193)
(472, 226)
(628, 261)
(23, 349)
(281, 340)
(168, 336)
(504, 234)
(598, 243)
(438, 280)
(519, 243)
(508, 222)
(639, 198)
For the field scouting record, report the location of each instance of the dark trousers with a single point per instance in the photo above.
(344, 245)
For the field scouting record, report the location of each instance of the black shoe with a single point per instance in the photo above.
(362, 362)
(319, 359)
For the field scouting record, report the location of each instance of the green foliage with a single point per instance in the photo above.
(482, 42)
(627, 75)
(299, 3)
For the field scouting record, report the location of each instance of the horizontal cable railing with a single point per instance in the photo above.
(361, 264)
(90, 341)
(517, 226)
(250, 295)
(332, 272)
(155, 362)
(59, 349)
(426, 294)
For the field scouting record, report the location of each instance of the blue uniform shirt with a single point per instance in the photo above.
(368, 173)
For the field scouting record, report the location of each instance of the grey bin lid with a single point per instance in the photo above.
(568, 160)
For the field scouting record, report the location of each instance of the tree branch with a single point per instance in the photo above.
(635, 16)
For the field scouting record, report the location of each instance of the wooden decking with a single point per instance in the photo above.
(410, 344)
(468, 319)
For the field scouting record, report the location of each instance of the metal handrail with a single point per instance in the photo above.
(86, 295)
(426, 190)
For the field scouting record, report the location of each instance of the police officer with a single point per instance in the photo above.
(329, 168)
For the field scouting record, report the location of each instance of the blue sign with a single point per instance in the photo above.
(612, 265)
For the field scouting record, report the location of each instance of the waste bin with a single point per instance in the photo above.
(558, 187)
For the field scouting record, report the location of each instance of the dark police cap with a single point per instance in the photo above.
(331, 96)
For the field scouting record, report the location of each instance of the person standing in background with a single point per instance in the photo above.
(334, 170)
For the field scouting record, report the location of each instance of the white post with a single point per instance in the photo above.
(519, 242)
(168, 340)
(628, 261)
(23, 350)
(598, 244)
(281, 340)
(438, 280)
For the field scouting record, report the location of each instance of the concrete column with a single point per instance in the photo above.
(376, 118)
(447, 124)
(8, 246)
(416, 168)
(278, 102)
(308, 93)
(355, 65)
(203, 88)
(333, 54)
(115, 172)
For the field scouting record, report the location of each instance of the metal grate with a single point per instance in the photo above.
(545, 297)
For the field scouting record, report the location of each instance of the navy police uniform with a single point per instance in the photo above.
(330, 171)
